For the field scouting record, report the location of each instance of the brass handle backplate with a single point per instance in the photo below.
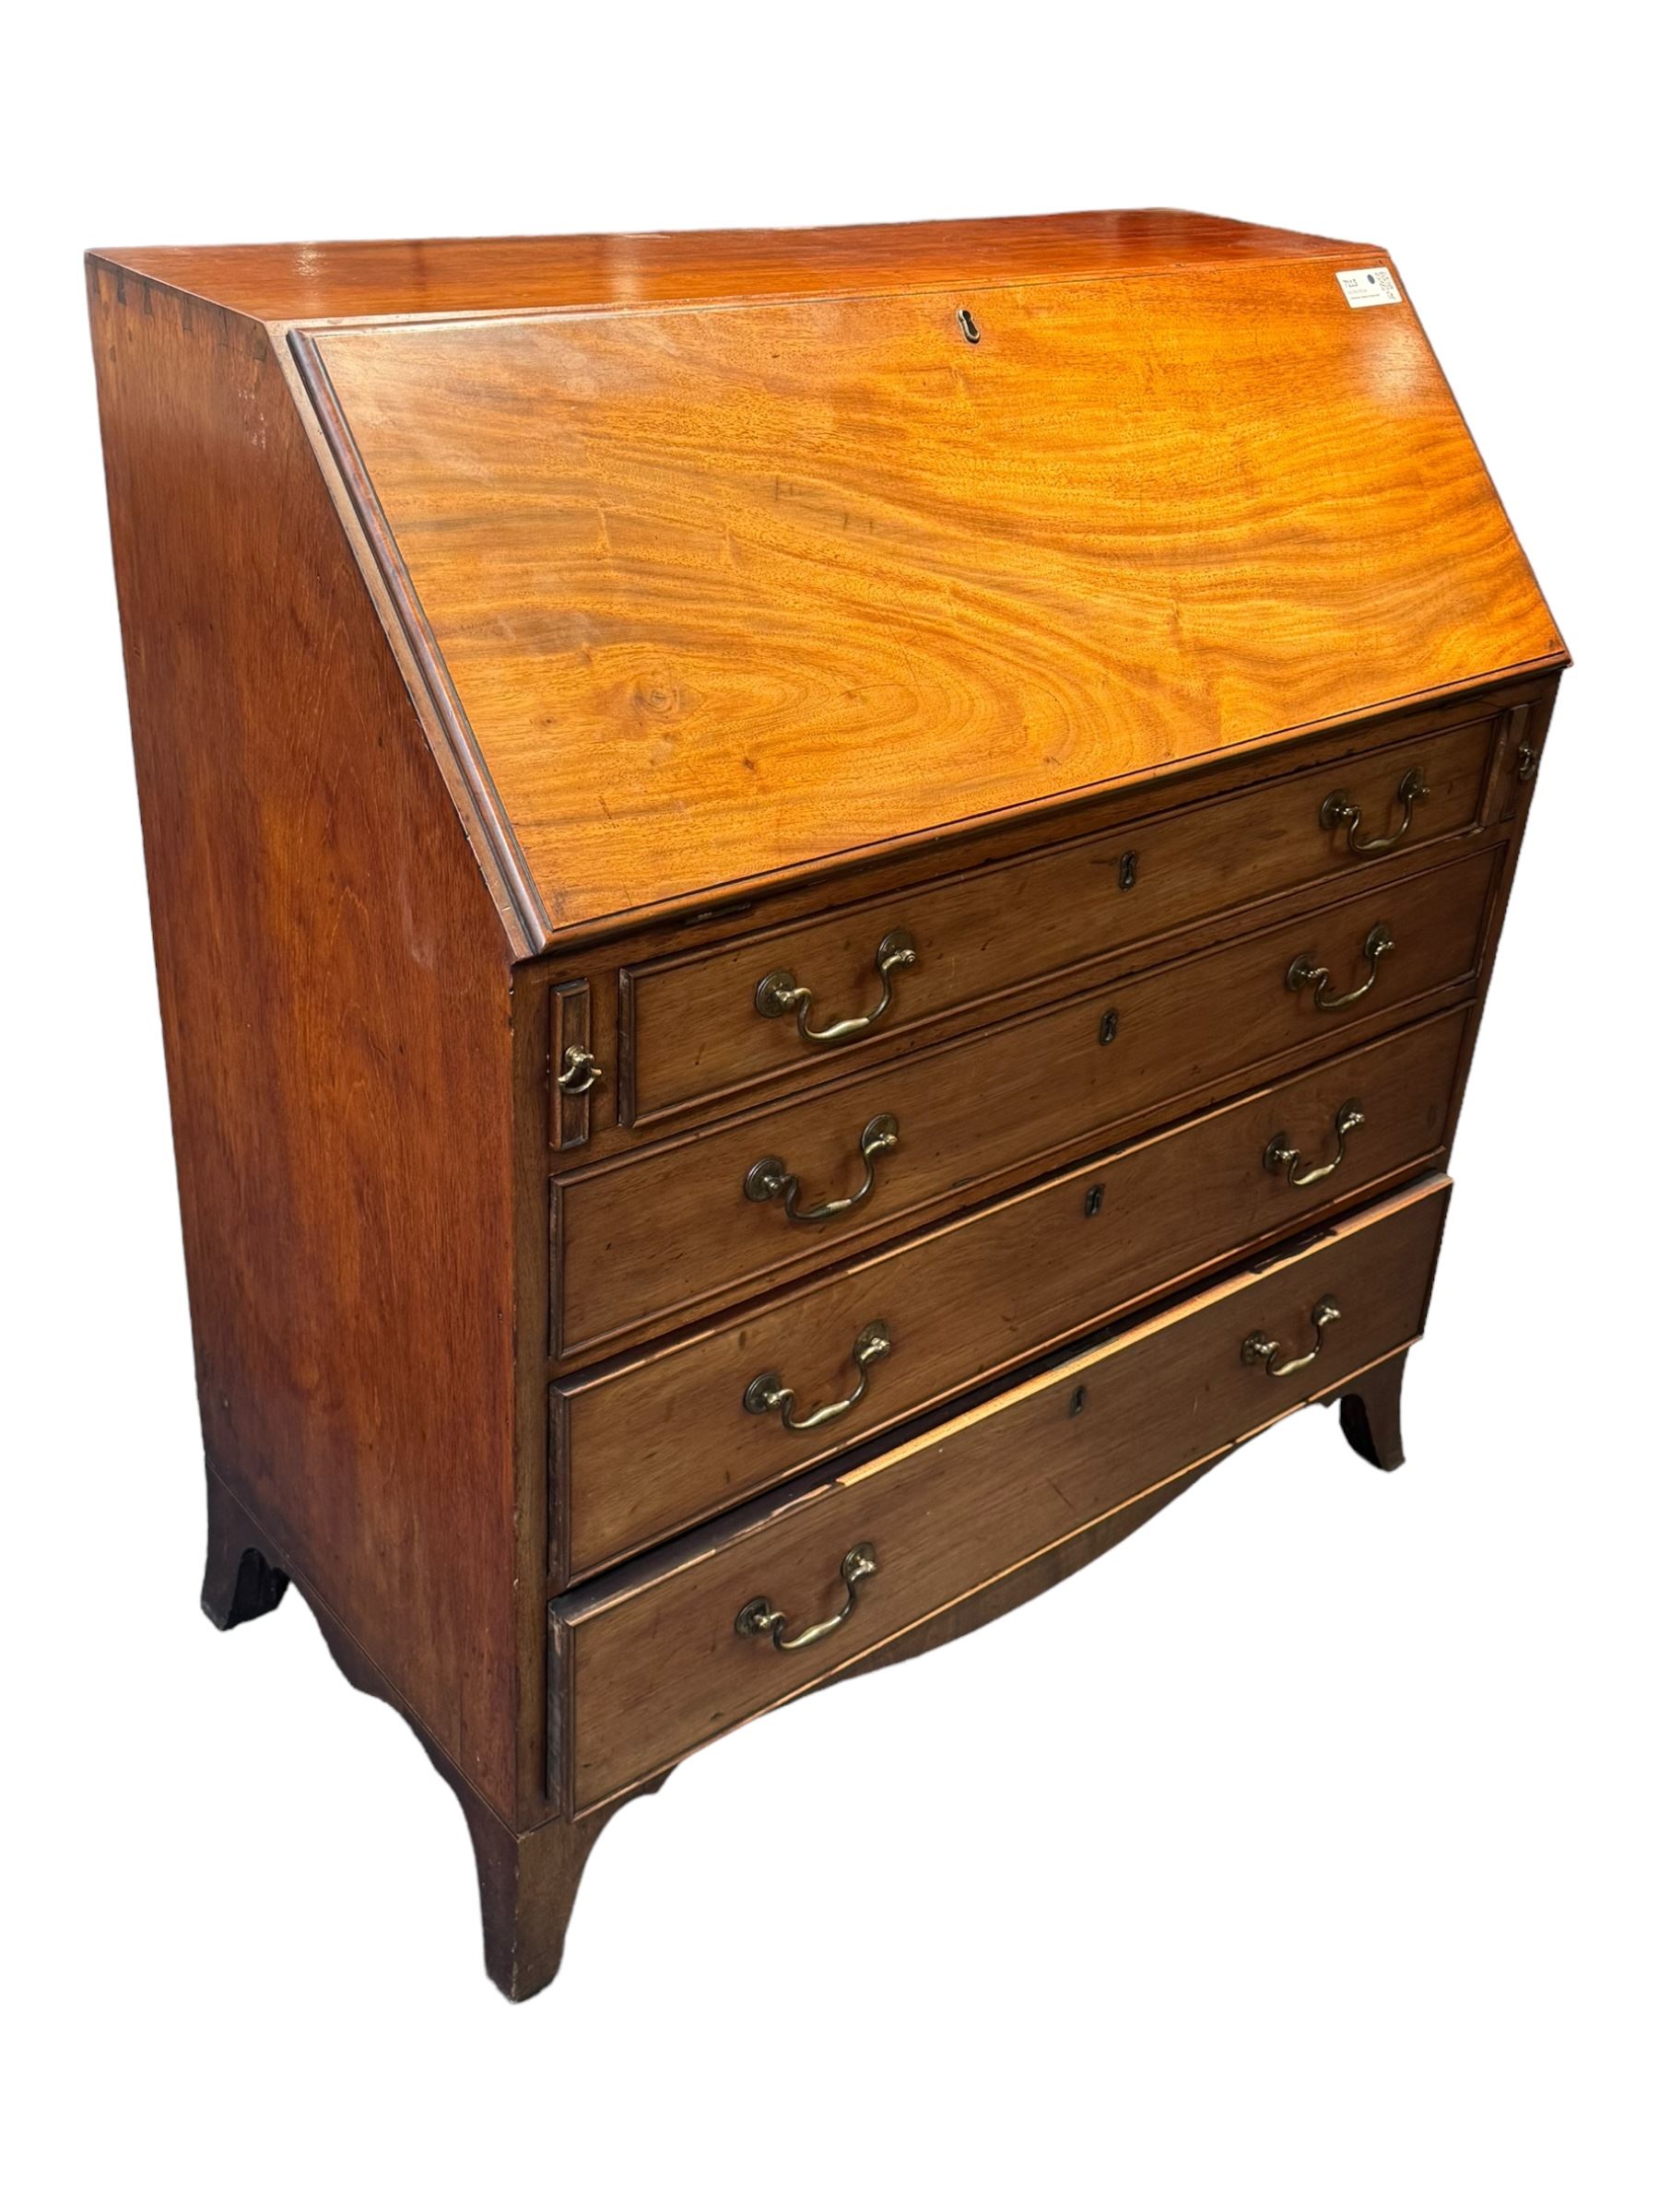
(1282, 1158)
(779, 994)
(1339, 812)
(760, 1617)
(769, 1178)
(1305, 970)
(1264, 1351)
(769, 1392)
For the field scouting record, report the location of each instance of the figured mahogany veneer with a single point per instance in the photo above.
(819, 563)
(1025, 725)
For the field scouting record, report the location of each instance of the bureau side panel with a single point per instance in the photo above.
(336, 1006)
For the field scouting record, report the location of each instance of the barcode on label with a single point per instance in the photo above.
(1369, 287)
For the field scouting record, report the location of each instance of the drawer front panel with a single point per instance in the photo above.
(645, 1242)
(655, 1664)
(693, 1029)
(649, 1448)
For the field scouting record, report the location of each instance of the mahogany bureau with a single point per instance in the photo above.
(820, 901)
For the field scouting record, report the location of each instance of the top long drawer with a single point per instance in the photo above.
(806, 998)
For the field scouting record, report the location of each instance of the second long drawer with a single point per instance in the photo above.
(645, 1448)
(649, 1240)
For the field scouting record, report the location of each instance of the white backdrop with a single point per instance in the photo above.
(1300, 1853)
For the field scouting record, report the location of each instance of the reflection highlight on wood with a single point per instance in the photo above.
(723, 592)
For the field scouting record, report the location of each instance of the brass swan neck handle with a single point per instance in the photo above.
(1282, 1158)
(1339, 812)
(578, 1071)
(779, 994)
(1258, 1351)
(1305, 970)
(769, 1179)
(760, 1616)
(769, 1393)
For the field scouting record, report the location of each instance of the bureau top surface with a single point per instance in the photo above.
(658, 268)
(734, 554)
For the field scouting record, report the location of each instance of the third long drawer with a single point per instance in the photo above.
(645, 1447)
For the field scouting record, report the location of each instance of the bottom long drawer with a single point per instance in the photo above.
(675, 1650)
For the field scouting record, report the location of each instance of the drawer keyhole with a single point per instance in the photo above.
(971, 329)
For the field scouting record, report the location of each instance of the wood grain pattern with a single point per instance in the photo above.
(650, 1444)
(650, 1665)
(1341, 755)
(658, 1236)
(692, 1032)
(752, 587)
(334, 994)
(450, 275)
(1021, 1584)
